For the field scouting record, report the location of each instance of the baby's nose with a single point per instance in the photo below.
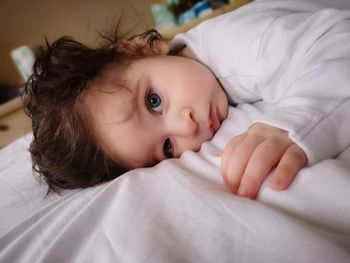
(184, 124)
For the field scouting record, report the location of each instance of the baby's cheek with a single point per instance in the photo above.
(188, 145)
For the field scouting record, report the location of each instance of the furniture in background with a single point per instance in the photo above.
(170, 33)
(14, 123)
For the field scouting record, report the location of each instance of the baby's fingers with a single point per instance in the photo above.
(265, 157)
(235, 158)
(293, 160)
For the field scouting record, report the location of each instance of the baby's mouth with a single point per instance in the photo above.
(213, 120)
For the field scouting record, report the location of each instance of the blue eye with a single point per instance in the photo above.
(154, 102)
(168, 148)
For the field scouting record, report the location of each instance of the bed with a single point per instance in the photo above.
(177, 211)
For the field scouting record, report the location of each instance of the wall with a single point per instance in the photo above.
(28, 22)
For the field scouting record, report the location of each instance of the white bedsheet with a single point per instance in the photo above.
(178, 211)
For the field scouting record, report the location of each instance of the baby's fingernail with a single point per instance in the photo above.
(276, 181)
(242, 191)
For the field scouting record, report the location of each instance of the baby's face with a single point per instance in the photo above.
(171, 104)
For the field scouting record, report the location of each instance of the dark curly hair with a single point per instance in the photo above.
(64, 150)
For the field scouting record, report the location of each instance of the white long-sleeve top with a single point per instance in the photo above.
(294, 55)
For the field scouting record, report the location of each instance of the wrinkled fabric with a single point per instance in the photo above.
(177, 211)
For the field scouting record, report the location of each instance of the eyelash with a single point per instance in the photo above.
(168, 150)
(167, 145)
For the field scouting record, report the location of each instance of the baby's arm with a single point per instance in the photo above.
(249, 158)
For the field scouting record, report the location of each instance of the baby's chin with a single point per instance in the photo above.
(208, 138)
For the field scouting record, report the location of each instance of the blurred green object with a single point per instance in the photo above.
(163, 17)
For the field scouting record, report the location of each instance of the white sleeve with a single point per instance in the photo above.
(296, 57)
(314, 100)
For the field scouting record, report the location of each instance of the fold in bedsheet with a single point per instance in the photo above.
(178, 211)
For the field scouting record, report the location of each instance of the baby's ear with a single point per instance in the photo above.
(143, 47)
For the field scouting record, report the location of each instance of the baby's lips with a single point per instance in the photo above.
(214, 120)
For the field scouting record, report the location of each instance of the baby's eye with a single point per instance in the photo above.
(168, 148)
(154, 102)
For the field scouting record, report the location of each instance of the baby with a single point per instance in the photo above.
(99, 112)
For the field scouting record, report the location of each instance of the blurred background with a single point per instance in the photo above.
(28, 22)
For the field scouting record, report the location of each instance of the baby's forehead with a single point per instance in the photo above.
(109, 98)
(113, 78)
(114, 74)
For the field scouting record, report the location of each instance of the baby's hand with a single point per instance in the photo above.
(248, 159)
